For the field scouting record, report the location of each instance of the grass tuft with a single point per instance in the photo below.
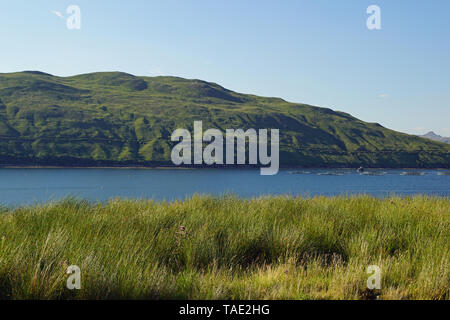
(228, 248)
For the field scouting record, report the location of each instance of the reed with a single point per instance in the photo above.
(228, 248)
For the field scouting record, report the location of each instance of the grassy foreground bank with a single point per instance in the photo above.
(228, 248)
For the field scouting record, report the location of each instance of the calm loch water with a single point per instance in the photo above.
(28, 186)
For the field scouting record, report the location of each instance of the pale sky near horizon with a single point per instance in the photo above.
(318, 52)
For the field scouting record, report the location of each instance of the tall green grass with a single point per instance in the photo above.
(228, 248)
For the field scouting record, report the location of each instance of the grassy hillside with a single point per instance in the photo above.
(228, 248)
(117, 118)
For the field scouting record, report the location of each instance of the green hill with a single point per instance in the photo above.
(115, 118)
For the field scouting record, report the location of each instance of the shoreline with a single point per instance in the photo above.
(209, 168)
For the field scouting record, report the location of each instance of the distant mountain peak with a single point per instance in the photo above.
(433, 136)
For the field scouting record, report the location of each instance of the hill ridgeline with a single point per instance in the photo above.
(114, 118)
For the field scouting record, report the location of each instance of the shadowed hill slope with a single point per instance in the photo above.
(114, 118)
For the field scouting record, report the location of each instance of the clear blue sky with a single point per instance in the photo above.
(311, 51)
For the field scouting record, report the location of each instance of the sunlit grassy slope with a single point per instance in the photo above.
(117, 118)
(228, 248)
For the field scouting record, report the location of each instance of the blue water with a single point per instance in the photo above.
(28, 186)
